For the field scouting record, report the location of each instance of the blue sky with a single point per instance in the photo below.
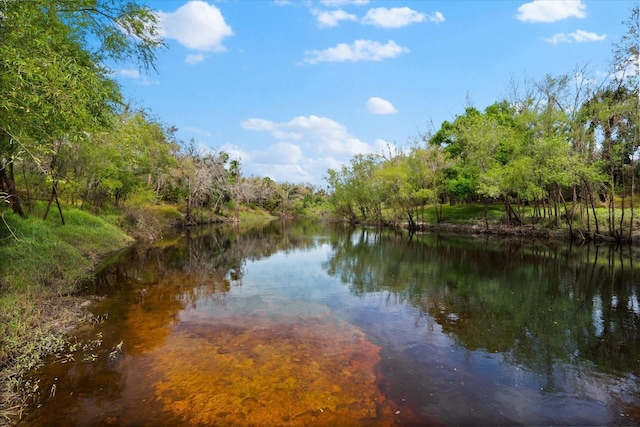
(293, 88)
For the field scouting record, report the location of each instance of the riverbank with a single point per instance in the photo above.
(490, 220)
(42, 264)
(527, 232)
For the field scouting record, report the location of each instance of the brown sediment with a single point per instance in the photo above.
(314, 371)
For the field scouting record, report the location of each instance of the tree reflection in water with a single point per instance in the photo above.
(552, 308)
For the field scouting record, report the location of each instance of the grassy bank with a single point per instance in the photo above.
(41, 264)
(476, 218)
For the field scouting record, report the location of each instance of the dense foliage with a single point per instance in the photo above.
(68, 136)
(563, 151)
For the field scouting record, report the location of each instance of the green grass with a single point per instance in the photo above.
(47, 254)
(41, 263)
(463, 214)
(254, 215)
(468, 213)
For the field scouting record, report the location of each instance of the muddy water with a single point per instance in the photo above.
(297, 325)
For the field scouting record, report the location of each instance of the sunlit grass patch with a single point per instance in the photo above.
(39, 253)
(250, 215)
(465, 213)
(90, 235)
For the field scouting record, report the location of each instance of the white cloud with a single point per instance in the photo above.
(280, 153)
(335, 3)
(332, 18)
(377, 105)
(551, 11)
(319, 144)
(360, 50)
(131, 73)
(436, 17)
(194, 58)
(258, 124)
(395, 17)
(284, 172)
(280, 162)
(585, 36)
(579, 36)
(320, 134)
(196, 25)
(266, 125)
(198, 131)
(236, 153)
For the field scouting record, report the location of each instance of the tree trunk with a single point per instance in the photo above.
(612, 208)
(556, 214)
(633, 190)
(620, 225)
(54, 194)
(26, 186)
(568, 216)
(486, 219)
(412, 224)
(7, 183)
(595, 216)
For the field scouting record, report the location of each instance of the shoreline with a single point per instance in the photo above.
(40, 308)
(54, 314)
(562, 234)
(61, 314)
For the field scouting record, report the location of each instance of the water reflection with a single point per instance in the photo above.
(569, 315)
(535, 302)
(300, 324)
(192, 339)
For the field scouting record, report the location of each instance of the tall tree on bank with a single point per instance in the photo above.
(626, 64)
(53, 86)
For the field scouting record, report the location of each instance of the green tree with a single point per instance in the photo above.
(137, 155)
(355, 193)
(54, 89)
(626, 64)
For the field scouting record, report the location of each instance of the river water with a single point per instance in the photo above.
(299, 324)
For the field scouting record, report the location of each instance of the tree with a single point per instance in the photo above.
(395, 184)
(626, 64)
(54, 88)
(427, 165)
(205, 177)
(355, 191)
(137, 155)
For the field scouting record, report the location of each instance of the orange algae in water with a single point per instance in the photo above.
(307, 372)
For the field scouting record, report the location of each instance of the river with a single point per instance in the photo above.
(299, 324)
